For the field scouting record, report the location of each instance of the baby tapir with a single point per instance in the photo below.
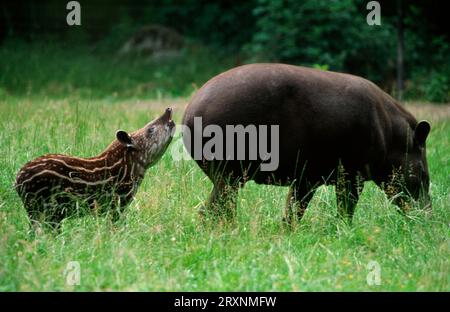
(332, 128)
(53, 186)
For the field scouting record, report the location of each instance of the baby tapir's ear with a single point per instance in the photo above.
(124, 138)
(421, 132)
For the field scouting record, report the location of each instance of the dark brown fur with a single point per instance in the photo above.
(326, 120)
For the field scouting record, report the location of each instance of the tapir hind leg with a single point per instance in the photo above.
(222, 201)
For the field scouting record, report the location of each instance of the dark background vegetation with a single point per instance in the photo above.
(41, 55)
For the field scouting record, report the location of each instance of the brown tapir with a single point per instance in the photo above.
(332, 128)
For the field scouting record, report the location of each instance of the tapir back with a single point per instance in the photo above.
(323, 118)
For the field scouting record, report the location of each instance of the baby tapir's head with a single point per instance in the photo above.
(148, 144)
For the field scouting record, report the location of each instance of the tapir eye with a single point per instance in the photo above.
(151, 130)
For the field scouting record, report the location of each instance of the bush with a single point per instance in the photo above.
(427, 67)
(323, 32)
(437, 89)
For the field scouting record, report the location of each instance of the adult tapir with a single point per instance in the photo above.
(333, 128)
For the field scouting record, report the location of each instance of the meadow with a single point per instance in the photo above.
(160, 244)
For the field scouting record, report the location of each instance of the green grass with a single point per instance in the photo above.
(56, 70)
(160, 244)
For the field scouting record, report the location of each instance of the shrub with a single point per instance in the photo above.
(437, 89)
(322, 32)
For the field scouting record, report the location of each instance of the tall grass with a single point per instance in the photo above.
(160, 244)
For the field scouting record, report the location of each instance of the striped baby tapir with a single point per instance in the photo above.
(54, 186)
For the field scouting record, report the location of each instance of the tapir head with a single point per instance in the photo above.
(411, 177)
(149, 143)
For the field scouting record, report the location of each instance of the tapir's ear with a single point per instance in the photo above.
(124, 138)
(421, 132)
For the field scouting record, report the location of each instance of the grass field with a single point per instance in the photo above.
(160, 244)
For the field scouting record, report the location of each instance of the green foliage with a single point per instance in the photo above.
(324, 32)
(427, 67)
(438, 88)
(220, 24)
(432, 86)
(321, 67)
(219, 35)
